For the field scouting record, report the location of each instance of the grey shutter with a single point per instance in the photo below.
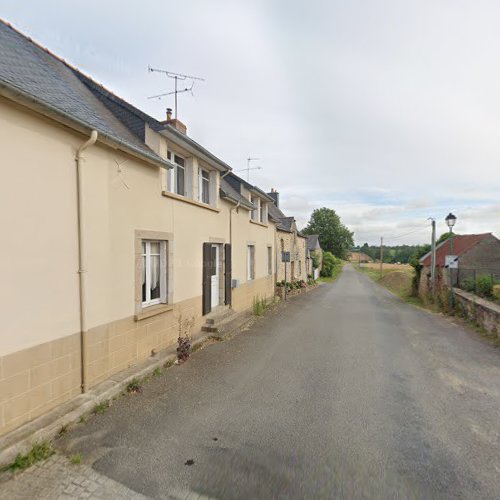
(207, 275)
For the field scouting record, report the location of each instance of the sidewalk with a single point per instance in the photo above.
(57, 479)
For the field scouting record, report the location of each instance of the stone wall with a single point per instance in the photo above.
(485, 313)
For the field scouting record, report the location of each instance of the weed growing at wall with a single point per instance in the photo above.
(40, 451)
(259, 306)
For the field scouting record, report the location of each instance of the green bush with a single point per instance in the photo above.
(484, 286)
(468, 284)
(330, 263)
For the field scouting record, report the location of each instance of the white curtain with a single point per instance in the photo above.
(155, 271)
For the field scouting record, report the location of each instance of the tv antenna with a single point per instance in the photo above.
(176, 77)
(249, 167)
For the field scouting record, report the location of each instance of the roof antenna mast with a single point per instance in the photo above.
(247, 170)
(176, 77)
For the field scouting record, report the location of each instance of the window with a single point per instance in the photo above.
(300, 268)
(250, 262)
(253, 213)
(177, 184)
(269, 260)
(204, 186)
(263, 213)
(154, 279)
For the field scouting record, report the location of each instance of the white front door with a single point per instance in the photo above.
(215, 276)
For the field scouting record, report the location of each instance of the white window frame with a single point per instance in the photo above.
(250, 262)
(201, 179)
(172, 156)
(263, 212)
(253, 212)
(163, 272)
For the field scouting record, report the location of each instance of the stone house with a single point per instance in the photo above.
(315, 254)
(288, 239)
(476, 254)
(123, 233)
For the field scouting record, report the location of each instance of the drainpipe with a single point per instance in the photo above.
(81, 255)
(231, 223)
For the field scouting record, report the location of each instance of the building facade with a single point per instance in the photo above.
(123, 233)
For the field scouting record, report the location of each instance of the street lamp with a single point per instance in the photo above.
(450, 221)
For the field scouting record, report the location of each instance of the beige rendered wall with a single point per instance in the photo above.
(39, 339)
(38, 257)
(245, 232)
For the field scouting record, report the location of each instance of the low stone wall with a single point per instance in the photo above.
(485, 313)
(280, 291)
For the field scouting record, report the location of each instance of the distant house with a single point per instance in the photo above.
(360, 257)
(475, 254)
(289, 240)
(315, 254)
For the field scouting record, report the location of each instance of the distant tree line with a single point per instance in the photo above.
(404, 254)
(397, 253)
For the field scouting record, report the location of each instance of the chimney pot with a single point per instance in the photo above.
(169, 114)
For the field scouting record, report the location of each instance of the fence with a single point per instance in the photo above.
(469, 279)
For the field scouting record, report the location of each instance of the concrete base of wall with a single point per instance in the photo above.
(36, 380)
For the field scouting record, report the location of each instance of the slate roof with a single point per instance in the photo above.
(462, 243)
(38, 75)
(227, 191)
(313, 242)
(135, 119)
(287, 222)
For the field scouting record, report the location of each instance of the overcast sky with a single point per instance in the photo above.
(387, 111)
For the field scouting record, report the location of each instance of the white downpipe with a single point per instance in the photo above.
(81, 254)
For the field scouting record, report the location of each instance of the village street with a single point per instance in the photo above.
(346, 392)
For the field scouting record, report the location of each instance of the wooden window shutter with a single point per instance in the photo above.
(207, 275)
(227, 273)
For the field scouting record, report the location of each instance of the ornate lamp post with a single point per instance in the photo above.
(450, 222)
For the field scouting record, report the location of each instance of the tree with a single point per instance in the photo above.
(334, 237)
(444, 237)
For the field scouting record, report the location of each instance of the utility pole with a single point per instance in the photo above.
(381, 255)
(433, 258)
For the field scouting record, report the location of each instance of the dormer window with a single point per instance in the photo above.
(204, 186)
(177, 179)
(263, 212)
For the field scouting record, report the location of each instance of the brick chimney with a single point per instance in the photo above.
(174, 122)
(275, 196)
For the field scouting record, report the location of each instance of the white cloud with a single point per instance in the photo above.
(386, 111)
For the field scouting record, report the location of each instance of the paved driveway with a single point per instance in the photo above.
(347, 391)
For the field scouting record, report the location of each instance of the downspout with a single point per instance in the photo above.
(81, 256)
(231, 236)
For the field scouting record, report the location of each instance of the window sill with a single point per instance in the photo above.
(148, 312)
(259, 223)
(190, 201)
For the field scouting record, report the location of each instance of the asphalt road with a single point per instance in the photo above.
(345, 392)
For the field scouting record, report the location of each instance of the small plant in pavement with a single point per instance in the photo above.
(101, 408)
(40, 451)
(134, 387)
(76, 459)
(184, 349)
